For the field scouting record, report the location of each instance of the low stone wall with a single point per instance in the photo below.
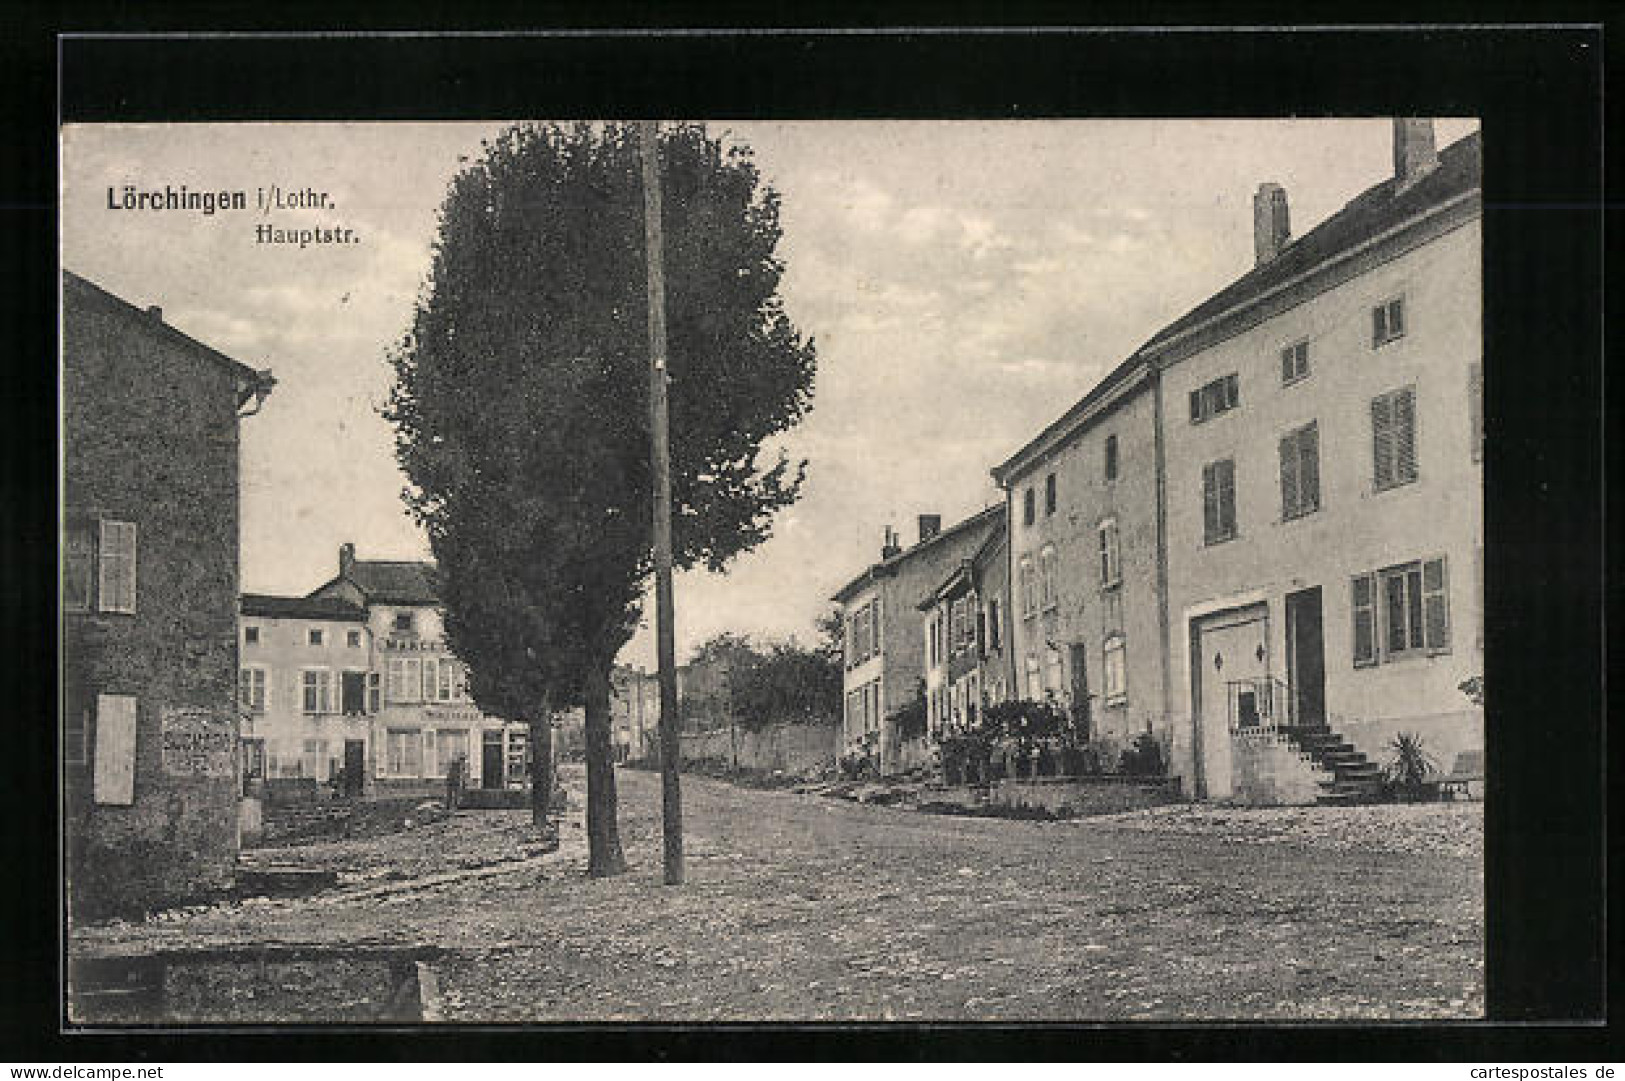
(1053, 797)
(791, 748)
(332, 819)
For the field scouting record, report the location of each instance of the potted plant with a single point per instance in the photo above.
(1410, 768)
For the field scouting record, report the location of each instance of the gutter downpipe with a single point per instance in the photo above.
(1162, 554)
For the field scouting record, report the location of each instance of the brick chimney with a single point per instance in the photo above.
(1415, 154)
(930, 526)
(346, 558)
(889, 546)
(1271, 227)
(155, 313)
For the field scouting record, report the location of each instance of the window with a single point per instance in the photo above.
(1294, 362)
(1027, 514)
(251, 636)
(405, 679)
(454, 745)
(1401, 611)
(317, 687)
(1475, 410)
(1387, 321)
(1300, 472)
(78, 568)
(1029, 588)
(1393, 438)
(373, 703)
(115, 577)
(1034, 690)
(313, 762)
(352, 639)
(353, 693)
(1116, 689)
(1218, 501)
(1046, 578)
(1219, 396)
(251, 689)
(993, 624)
(403, 752)
(1052, 670)
(1111, 570)
(1049, 494)
(403, 622)
(113, 769)
(253, 759)
(316, 636)
(1111, 457)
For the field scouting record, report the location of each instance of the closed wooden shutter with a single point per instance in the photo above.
(115, 585)
(1226, 473)
(1309, 469)
(113, 780)
(1364, 607)
(1404, 436)
(1436, 605)
(1382, 455)
(1290, 504)
(1196, 406)
(1210, 504)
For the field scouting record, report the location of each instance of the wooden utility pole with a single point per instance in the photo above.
(671, 746)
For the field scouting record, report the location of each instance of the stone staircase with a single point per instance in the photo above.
(1355, 778)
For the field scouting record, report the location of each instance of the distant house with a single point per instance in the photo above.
(967, 631)
(885, 639)
(634, 712)
(405, 678)
(149, 570)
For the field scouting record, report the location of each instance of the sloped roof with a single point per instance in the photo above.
(981, 517)
(138, 317)
(273, 607)
(1372, 212)
(390, 581)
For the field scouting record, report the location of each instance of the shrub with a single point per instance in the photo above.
(1409, 767)
(1144, 758)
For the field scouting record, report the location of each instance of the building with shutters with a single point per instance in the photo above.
(1324, 490)
(355, 686)
(885, 642)
(967, 632)
(1261, 535)
(149, 566)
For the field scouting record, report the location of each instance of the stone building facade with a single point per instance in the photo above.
(149, 567)
(967, 637)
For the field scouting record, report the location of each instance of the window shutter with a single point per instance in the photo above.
(1396, 318)
(78, 565)
(1232, 392)
(874, 628)
(1210, 505)
(1227, 498)
(116, 573)
(1379, 324)
(1436, 605)
(1404, 436)
(1196, 406)
(1382, 424)
(1475, 408)
(1309, 469)
(113, 777)
(1365, 620)
(1290, 507)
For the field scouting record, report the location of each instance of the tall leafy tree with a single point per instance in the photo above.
(521, 403)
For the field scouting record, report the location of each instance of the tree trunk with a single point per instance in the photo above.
(541, 771)
(604, 857)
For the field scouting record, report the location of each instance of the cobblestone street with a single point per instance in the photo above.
(806, 908)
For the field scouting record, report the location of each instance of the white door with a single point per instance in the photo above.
(1232, 655)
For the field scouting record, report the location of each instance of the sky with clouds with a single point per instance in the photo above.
(965, 282)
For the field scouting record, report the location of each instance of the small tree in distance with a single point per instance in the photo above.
(521, 401)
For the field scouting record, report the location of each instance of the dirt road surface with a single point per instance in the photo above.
(804, 908)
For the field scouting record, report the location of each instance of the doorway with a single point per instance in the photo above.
(1229, 683)
(493, 761)
(1306, 657)
(355, 766)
